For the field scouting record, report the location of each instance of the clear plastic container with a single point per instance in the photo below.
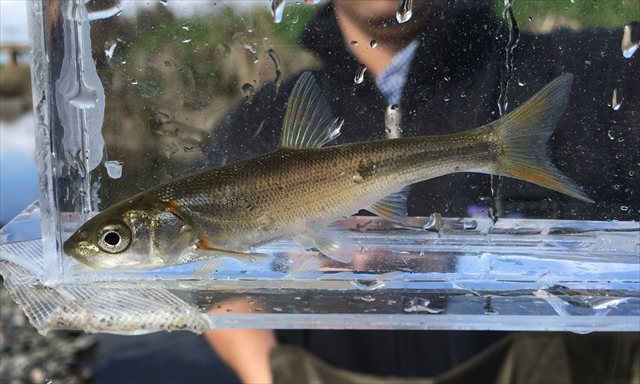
(129, 95)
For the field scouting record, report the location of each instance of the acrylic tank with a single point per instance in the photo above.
(129, 95)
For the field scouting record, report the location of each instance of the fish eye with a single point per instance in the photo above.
(114, 238)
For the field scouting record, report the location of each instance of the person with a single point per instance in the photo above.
(443, 71)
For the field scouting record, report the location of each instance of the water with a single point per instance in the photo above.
(18, 171)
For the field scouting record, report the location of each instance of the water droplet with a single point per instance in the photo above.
(312, 2)
(447, 78)
(277, 309)
(616, 186)
(631, 173)
(114, 169)
(123, 62)
(85, 98)
(134, 82)
(164, 2)
(368, 298)
(624, 208)
(630, 39)
(616, 101)
(359, 77)
(405, 11)
(611, 135)
(530, 19)
(521, 83)
(353, 42)
(392, 118)
(224, 49)
(110, 49)
(447, 98)
(357, 179)
(186, 41)
(248, 91)
(186, 28)
(373, 44)
(277, 9)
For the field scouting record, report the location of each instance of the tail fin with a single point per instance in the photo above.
(525, 132)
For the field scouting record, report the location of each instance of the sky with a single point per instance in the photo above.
(13, 21)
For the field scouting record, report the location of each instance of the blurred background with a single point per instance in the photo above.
(174, 68)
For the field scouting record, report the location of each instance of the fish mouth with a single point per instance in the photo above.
(74, 252)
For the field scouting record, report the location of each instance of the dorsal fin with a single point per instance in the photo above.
(308, 122)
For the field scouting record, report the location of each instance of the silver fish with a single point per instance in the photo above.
(302, 187)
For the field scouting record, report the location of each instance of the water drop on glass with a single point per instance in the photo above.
(114, 169)
(630, 39)
(373, 44)
(624, 208)
(530, 19)
(109, 51)
(186, 41)
(631, 173)
(248, 91)
(164, 2)
(123, 62)
(521, 83)
(405, 11)
(616, 101)
(616, 186)
(186, 28)
(611, 135)
(134, 82)
(359, 77)
(277, 9)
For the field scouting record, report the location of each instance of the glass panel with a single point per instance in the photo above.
(132, 95)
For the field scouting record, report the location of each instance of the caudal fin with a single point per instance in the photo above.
(525, 132)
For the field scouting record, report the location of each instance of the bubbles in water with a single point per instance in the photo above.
(418, 304)
(405, 11)
(373, 44)
(630, 39)
(114, 169)
(277, 9)
(359, 77)
(110, 49)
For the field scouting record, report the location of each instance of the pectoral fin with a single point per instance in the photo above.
(205, 244)
(392, 207)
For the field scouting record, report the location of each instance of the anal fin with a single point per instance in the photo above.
(331, 243)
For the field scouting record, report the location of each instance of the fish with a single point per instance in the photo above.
(304, 186)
